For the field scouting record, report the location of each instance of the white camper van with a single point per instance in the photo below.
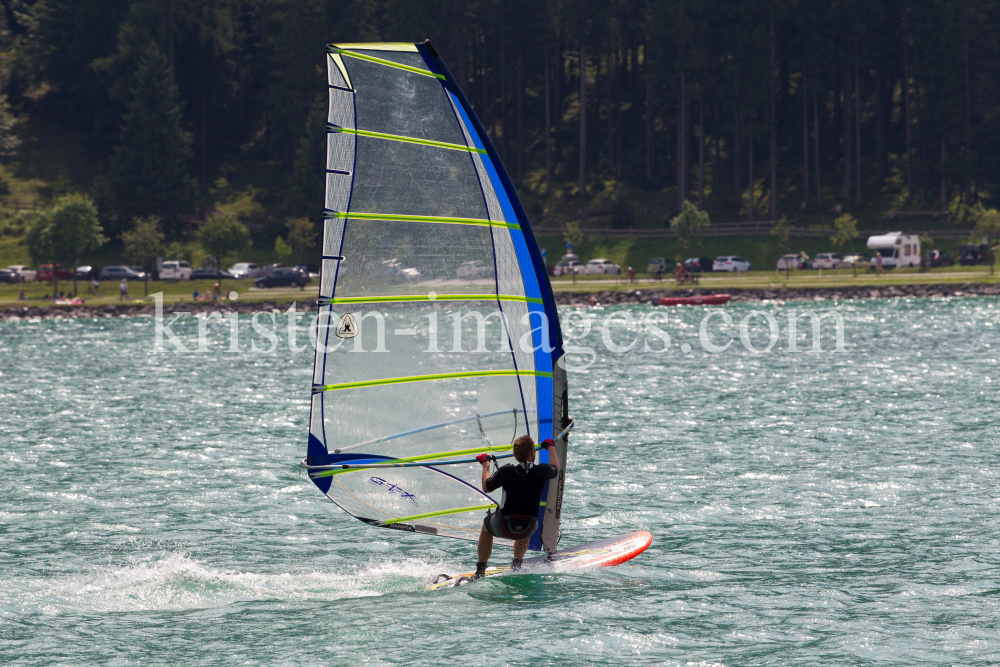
(896, 248)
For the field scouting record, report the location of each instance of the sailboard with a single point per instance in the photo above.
(438, 337)
(603, 553)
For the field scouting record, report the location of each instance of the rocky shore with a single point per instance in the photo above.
(643, 295)
(31, 310)
(640, 294)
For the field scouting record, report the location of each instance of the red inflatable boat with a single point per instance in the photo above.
(697, 300)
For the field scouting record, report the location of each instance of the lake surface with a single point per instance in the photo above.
(836, 508)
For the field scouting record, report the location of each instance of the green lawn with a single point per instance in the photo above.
(796, 280)
(173, 292)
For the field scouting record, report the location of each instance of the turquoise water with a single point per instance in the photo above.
(811, 508)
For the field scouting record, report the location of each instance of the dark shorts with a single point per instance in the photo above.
(513, 527)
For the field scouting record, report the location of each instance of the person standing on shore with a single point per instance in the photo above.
(878, 263)
(123, 290)
(631, 275)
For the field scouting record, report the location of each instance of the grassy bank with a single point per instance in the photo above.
(826, 279)
(173, 292)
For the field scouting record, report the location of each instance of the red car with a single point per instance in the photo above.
(45, 273)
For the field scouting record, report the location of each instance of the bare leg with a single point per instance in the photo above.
(486, 545)
(520, 546)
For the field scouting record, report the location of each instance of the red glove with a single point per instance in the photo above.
(548, 443)
(482, 458)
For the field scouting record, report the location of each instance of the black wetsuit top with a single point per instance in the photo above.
(522, 491)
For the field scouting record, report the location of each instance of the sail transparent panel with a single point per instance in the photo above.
(393, 258)
(421, 180)
(395, 341)
(398, 102)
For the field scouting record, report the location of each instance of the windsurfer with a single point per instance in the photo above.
(517, 516)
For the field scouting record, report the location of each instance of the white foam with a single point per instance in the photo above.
(176, 581)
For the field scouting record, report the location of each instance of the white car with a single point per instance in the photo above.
(566, 267)
(474, 270)
(827, 260)
(26, 274)
(245, 270)
(731, 263)
(175, 270)
(602, 266)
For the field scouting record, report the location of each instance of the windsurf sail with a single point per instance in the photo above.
(437, 335)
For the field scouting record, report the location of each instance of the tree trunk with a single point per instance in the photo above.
(819, 182)
(610, 106)
(848, 141)
(750, 177)
(909, 139)
(944, 189)
(583, 120)
(548, 126)
(682, 171)
(879, 124)
(649, 121)
(716, 171)
(857, 136)
(805, 141)
(557, 116)
(701, 151)
(618, 116)
(519, 111)
(773, 209)
(503, 103)
(738, 162)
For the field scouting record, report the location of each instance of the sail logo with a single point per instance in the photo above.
(392, 488)
(348, 327)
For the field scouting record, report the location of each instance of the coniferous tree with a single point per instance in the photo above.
(150, 168)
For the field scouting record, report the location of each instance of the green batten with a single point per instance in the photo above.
(419, 218)
(428, 515)
(404, 298)
(409, 140)
(387, 63)
(427, 378)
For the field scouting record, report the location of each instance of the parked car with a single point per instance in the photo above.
(119, 272)
(936, 258)
(9, 276)
(211, 274)
(660, 265)
(284, 277)
(474, 270)
(45, 273)
(175, 270)
(84, 272)
(139, 271)
(859, 259)
(566, 267)
(601, 266)
(827, 260)
(310, 270)
(698, 265)
(266, 270)
(970, 255)
(26, 274)
(244, 270)
(731, 263)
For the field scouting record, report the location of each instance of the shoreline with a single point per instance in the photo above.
(31, 310)
(23, 310)
(652, 296)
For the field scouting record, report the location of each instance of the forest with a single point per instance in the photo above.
(609, 113)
